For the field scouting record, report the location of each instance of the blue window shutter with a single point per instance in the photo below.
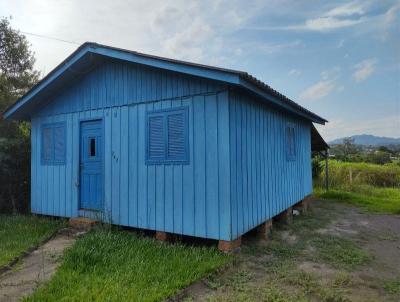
(293, 144)
(53, 143)
(167, 136)
(176, 136)
(47, 149)
(290, 145)
(156, 142)
(59, 144)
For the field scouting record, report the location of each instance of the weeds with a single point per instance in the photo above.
(339, 252)
(291, 245)
(342, 279)
(393, 286)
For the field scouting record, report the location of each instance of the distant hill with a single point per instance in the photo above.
(369, 140)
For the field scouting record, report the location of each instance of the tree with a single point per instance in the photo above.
(346, 151)
(379, 157)
(17, 76)
(349, 148)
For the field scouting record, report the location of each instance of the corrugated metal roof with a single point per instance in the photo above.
(284, 101)
(242, 74)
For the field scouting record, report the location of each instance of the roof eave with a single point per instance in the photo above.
(11, 111)
(269, 96)
(237, 78)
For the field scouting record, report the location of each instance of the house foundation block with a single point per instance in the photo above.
(228, 246)
(82, 223)
(286, 216)
(163, 236)
(264, 230)
(304, 204)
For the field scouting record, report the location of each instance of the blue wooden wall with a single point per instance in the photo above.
(188, 199)
(263, 181)
(116, 83)
(237, 176)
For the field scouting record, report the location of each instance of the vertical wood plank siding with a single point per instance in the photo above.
(263, 181)
(191, 199)
(114, 84)
(237, 176)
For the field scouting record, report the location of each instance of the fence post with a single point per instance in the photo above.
(326, 171)
(351, 175)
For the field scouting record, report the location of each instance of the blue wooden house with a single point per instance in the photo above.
(165, 145)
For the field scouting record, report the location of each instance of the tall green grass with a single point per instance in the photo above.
(19, 232)
(114, 265)
(354, 174)
(374, 187)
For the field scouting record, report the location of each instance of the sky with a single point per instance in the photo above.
(339, 59)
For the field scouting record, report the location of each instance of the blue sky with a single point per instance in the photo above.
(340, 59)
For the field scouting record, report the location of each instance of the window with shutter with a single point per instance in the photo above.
(53, 144)
(290, 142)
(176, 136)
(47, 138)
(167, 136)
(59, 144)
(156, 137)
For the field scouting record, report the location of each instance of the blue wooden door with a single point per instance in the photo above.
(91, 165)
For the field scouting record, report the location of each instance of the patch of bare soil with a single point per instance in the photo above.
(35, 268)
(271, 273)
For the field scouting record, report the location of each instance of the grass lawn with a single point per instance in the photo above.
(383, 200)
(18, 233)
(115, 265)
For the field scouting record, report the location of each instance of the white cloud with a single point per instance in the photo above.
(340, 88)
(390, 16)
(192, 30)
(270, 48)
(324, 87)
(317, 91)
(324, 24)
(294, 72)
(364, 69)
(346, 10)
(340, 44)
(342, 16)
(346, 15)
(331, 74)
(387, 21)
(182, 44)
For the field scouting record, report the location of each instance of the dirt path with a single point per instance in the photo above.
(35, 268)
(334, 253)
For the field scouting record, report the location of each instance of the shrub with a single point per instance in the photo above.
(378, 157)
(317, 167)
(14, 175)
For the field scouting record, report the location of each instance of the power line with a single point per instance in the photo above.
(50, 38)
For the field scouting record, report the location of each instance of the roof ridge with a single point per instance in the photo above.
(255, 83)
(243, 74)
